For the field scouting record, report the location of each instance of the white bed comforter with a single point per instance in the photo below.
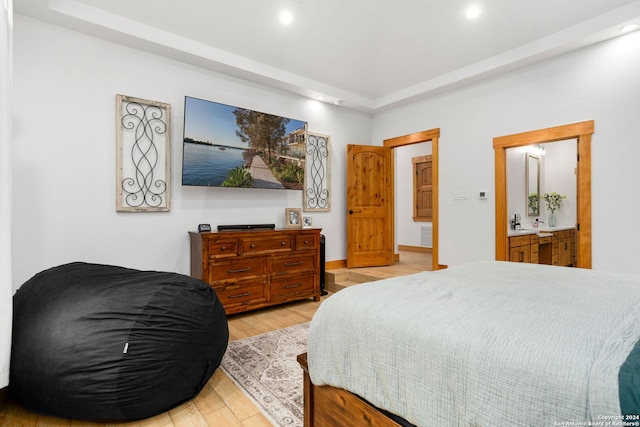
(484, 344)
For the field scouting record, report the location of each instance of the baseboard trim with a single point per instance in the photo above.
(420, 249)
(334, 265)
(342, 263)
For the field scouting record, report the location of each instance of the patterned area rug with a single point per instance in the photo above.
(266, 369)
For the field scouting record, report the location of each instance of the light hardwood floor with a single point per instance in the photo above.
(221, 403)
(409, 262)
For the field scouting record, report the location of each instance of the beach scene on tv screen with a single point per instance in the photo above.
(227, 146)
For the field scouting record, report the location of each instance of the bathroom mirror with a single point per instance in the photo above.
(532, 184)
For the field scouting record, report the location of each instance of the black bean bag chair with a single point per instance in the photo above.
(99, 342)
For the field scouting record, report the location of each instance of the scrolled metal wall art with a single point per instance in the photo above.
(317, 193)
(143, 155)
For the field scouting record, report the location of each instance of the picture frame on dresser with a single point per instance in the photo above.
(293, 217)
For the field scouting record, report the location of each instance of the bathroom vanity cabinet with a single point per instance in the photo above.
(524, 248)
(557, 247)
(564, 248)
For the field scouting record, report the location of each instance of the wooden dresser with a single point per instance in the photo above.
(251, 269)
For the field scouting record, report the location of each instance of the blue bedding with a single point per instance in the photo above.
(629, 385)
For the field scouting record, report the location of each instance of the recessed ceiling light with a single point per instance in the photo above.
(286, 17)
(629, 28)
(473, 12)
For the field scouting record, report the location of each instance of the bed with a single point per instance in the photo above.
(483, 344)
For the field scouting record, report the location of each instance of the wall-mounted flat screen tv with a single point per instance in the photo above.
(227, 146)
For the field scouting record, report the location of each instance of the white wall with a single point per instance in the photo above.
(407, 232)
(557, 173)
(6, 291)
(64, 150)
(599, 82)
(64, 168)
(515, 185)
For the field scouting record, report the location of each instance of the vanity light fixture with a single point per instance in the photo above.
(536, 150)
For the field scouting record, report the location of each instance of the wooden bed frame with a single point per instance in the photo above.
(327, 406)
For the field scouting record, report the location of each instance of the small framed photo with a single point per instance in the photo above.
(307, 222)
(293, 217)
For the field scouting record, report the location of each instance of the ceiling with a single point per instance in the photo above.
(369, 55)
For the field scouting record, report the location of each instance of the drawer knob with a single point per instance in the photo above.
(291, 264)
(297, 285)
(245, 294)
(306, 242)
(240, 270)
(253, 246)
(282, 243)
(224, 248)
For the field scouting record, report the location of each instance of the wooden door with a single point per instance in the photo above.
(422, 189)
(369, 206)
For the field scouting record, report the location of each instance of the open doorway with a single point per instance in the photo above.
(413, 207)
(420, 143)
(371, 198)
(581, 132)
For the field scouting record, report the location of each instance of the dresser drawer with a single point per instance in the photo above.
(248, 292)
(544, 240)
(237, 269)
(256, 245)
(306, 241)
(285, 265)
(285, 287)
(223, 248)
(519, 241)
